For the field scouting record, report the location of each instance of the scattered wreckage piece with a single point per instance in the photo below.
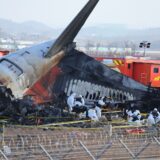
(25, 111)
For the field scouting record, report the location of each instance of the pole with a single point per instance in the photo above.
(144, 54)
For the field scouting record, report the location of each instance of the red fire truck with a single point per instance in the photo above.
(145, 71)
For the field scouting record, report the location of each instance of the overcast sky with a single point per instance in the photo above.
(58, 13)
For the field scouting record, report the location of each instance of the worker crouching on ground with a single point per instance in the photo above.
(154, 117)
(95, 113)
(134, 115)
(77, 104)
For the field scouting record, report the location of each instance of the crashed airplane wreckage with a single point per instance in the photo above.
(86, 76)
(54, 67)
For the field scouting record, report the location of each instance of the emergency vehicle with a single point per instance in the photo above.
(143, 70)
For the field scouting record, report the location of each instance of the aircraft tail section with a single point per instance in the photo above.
(68, 35)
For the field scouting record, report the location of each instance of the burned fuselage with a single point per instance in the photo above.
(20, 70)
(84, 75)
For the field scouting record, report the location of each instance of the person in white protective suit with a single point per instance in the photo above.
(77, 104)
(99, 106)
(98, 112)
(154, 117)
(133, 115)
(71, 101)
(92, 114)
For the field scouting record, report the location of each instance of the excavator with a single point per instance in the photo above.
(47, 69)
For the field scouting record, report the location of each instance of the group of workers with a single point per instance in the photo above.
(76, 103)
(134, 115)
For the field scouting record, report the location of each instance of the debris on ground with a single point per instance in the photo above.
(25, 112)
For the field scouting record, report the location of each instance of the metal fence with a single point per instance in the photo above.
(110, 143)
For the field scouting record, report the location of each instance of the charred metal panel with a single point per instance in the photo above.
(85, 75)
